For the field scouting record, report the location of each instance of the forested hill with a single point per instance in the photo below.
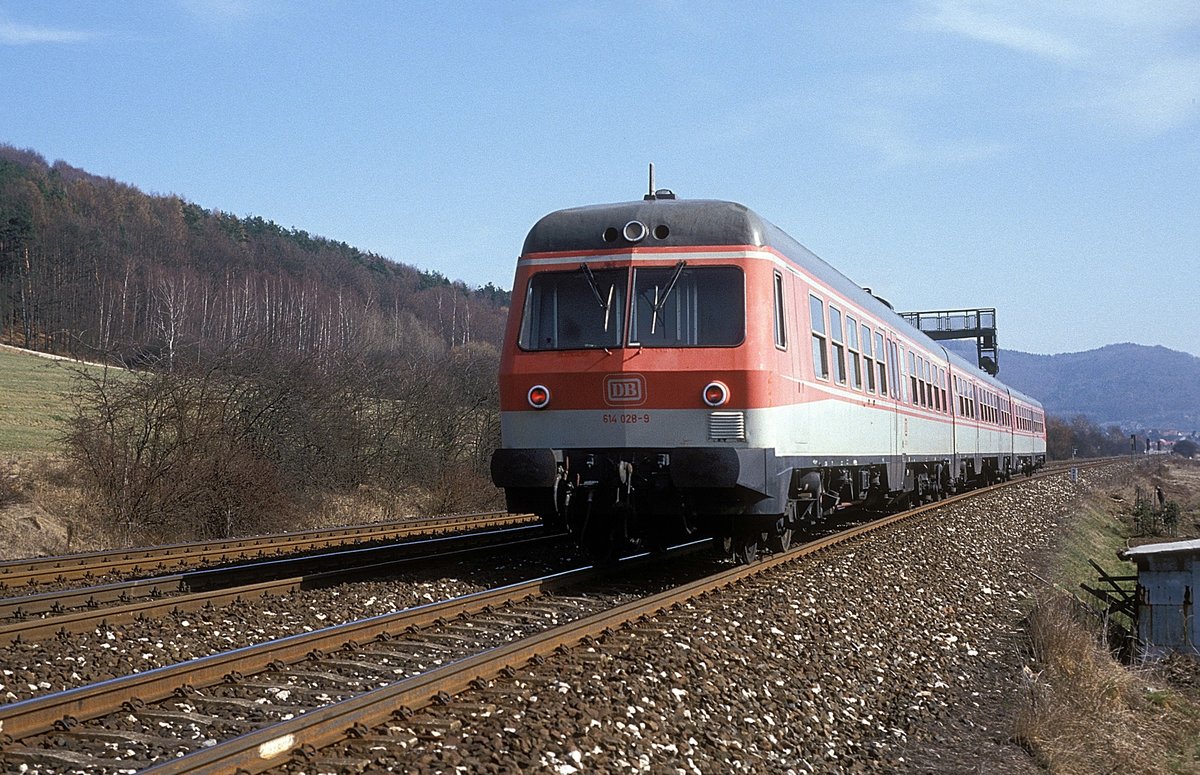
(1131, 385)
(92, 266)
(1134, 386)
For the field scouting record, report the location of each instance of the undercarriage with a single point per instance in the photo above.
(616, 502)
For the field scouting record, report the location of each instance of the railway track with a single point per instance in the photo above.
(330, 663)
(259, 707)
(15, 574)
(50, 614)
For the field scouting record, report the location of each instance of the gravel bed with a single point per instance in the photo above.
(33, 669)
(891, 654)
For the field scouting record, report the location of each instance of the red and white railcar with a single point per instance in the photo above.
(687, 366)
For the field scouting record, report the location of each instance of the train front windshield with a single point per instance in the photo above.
(677, 306)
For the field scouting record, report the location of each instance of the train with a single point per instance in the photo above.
(679, 368)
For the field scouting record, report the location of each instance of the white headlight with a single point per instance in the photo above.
(635, 231)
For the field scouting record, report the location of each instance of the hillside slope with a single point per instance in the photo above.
(1135, 386)
(96, 268)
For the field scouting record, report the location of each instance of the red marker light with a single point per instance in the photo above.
(539, 396)
(716, 394)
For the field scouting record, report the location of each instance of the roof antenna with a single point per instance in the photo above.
(661, 193)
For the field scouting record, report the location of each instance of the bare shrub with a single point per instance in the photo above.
(462, 490)
(257, 435)
(10, 488)
(167, 457)
(46, 513)
(1083, 712)
(436, 416)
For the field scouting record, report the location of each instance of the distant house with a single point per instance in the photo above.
(1168, 577)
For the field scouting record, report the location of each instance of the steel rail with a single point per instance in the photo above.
(64, 710)
(60, 601)
(31, 630)
(16, 573)
(278, 743)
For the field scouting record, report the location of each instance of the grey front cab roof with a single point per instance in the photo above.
(698, 222)
(691, 221)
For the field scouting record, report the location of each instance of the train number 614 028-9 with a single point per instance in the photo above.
(626, 419)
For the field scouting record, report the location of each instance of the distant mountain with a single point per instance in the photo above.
(1135, 386)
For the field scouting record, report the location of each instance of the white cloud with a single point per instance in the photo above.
(1132, 65)
(14, 34)
(888, 133)
(991, 24)
(1161, 96)
(889, 114)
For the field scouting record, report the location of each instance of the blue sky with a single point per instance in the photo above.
(1039, 157)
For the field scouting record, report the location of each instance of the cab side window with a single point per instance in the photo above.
(780, 319)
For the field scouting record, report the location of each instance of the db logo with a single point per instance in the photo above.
(624, 390)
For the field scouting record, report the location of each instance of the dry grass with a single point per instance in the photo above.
(363, 506)
(1084, 712)
(1180, 482)
(43, 511)
(10, 489)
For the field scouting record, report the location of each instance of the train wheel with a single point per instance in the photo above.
(780, 540)
(745, 548)
(602, 532)
(659, 531)
(562, 501)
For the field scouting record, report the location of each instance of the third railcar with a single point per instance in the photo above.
(678, 366)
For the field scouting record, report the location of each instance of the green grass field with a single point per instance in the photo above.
(33, 404)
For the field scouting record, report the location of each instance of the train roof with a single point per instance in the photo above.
(702, 222)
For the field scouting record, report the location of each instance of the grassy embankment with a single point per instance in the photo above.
(1084, 711)
(33, 402)
(39, 501)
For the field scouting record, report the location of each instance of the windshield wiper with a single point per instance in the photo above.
(604, 305)
(659, 302)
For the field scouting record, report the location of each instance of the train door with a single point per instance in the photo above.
(973, 439)
(1006, 427)
(800, 350)
(951, 379)
(782, 315)
(907, 395)
(897, 460)
(787, 394)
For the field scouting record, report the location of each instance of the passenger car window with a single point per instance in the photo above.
(816, 315)
(852, 352)
(839, 349)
